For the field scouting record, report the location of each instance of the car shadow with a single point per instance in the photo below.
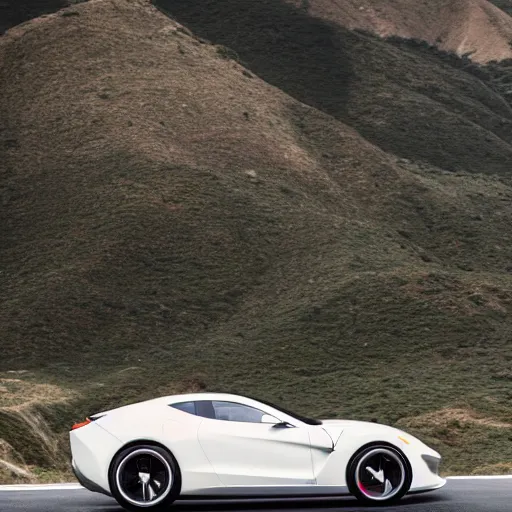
(346, 503)
(416, 503)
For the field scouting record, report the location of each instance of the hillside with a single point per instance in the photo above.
(461, 26)
(391, 97)
(326, 225)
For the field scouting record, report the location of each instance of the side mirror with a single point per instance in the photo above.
(267, 418)
(282, 424)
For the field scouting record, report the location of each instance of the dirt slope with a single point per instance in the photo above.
(461, 26)
(171, 221)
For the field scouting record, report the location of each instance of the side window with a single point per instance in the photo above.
(189, 407)
(230, 411)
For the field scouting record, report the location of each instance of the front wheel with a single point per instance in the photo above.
(379, 474)
(145, 477)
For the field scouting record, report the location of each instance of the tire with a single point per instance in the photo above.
(145, 477)
(379, 475)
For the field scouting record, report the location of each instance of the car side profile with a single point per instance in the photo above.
(147, 455)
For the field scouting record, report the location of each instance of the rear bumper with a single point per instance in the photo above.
(85, 482)
(92, 450)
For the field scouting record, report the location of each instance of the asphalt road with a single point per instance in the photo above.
(486, 495)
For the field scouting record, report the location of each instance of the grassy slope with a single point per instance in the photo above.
(160, 235)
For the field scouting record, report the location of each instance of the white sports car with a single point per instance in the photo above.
(148, 454)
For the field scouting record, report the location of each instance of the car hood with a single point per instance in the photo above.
(336, 427)
(354, 424)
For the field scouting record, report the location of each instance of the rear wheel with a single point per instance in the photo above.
(379, 474)
(145, 477)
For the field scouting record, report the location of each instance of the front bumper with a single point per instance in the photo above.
(428, 488)
(425, 469)
(432, 463)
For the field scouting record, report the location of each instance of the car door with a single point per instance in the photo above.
(246, 452)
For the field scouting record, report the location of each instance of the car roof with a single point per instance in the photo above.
(262, 405)
(192, 397)
(174, 399)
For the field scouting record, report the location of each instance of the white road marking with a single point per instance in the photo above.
(41, 487)
(483, 477)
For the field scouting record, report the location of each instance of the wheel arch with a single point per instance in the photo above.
(369, 445)
(147, 442)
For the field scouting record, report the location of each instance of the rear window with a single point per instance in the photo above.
(189, 407)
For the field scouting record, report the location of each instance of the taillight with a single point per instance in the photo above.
(82, 424)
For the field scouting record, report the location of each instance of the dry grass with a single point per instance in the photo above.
(12, 467)
(22, 422)
(446, 417)
(17, 394)
(501, 468)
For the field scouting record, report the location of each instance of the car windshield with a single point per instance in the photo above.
(304, 419)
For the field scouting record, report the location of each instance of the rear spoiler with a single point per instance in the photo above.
(87, 421)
